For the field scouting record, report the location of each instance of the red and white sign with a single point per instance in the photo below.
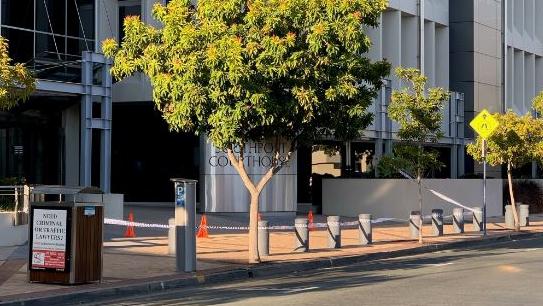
(49, 229)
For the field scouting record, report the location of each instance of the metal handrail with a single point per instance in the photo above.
(18, 192)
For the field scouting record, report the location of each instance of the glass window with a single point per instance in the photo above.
(75, 47)
(18, 13)
(85, 10)
(53, 11)
(20, 44)
(46, 47)
(127, 8)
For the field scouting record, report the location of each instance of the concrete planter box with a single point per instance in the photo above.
(396, 198)
(11, 235)
(113, 205)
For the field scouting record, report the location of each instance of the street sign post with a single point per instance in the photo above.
(484, 124)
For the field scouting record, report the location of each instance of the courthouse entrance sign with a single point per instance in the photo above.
(224, 191)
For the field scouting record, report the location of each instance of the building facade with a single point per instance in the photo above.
(488, 53)
(62, 135)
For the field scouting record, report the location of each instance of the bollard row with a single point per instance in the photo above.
(457, 221)
(302, 227)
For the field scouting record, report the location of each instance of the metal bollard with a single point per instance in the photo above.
(414, 222)
(171, 236)
(263, 238)
(437, 222)
(302, 235)
(364, 229)
(509, 218)
(458, 220)
(477, 219)
(524, 214)
(334, 232)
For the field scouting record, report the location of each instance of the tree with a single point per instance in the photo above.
(537, 104)
(16, 81)
(418, 113)
(239, 71)
(517, 140)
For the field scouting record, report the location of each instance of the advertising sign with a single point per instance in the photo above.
(49, 230)
(224, 190)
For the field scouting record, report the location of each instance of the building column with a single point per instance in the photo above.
(100, 94)
(105, 145)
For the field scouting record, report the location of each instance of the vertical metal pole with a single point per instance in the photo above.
(85, 151)
(348, 161)
(484, 187)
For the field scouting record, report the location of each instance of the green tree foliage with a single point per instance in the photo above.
(239, 71)
(517, 140)
(418, 113)
(537, 103)
(16, 82)
(406, 158)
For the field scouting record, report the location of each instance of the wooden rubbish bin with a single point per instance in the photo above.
(65, 236)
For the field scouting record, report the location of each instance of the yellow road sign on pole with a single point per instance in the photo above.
(484, 124)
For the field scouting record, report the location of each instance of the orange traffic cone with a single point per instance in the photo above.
(310, 219)
(202, 229)
(130, 233)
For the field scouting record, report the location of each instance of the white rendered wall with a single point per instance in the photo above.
(396, 198)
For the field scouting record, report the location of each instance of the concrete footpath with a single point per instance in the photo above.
(140, 265)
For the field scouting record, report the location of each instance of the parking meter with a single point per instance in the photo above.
(185, 224)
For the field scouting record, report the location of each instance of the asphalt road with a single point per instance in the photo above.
(507, 273)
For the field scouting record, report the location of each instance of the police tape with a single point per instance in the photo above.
(437, 194)
(119, 222)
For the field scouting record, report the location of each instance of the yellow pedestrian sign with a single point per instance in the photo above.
(484, 124)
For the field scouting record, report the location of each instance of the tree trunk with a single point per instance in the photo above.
(512, 197)
(254, 191)
(254, 256)
(419, 182)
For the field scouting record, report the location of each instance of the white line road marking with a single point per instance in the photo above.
(285, 290)
(530, 250)
(430, 265)
(440, 264)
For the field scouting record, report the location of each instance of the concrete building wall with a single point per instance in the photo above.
(475, 50)
(398, 40)
(107, 21)
(523, 41)
(136, 88)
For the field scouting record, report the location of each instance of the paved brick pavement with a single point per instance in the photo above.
(137, 259)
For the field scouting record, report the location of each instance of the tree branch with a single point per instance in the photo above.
(277, 165)
(237, 163)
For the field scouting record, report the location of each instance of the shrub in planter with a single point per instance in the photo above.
(526, 192)
(6, 203)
